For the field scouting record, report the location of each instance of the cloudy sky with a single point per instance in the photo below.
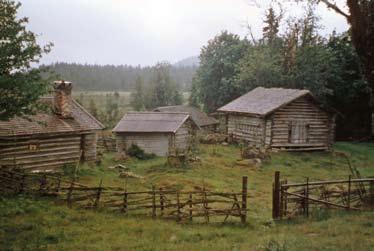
(144, 31)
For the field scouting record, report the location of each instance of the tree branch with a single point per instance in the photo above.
(336, 9)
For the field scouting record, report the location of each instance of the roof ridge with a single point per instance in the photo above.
(262, 101)
(133, 112)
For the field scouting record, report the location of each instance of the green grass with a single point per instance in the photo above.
(32, 224)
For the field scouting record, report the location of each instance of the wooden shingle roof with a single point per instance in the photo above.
(151, 122)
(199, 117)
(262, 101)
(46, 122)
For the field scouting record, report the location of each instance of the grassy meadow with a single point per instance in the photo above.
(40, 224)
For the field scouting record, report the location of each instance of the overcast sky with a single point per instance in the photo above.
(143, 31)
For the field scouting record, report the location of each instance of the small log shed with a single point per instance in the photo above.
(160, 133)
(63, 134)
(277, 118)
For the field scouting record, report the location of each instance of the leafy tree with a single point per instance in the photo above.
(361, 20)
(111, 111)
(350, 92)
(163, 90)
(177, 98)
(137, 97)
(214, 81)
(260, 66)
(20, 84)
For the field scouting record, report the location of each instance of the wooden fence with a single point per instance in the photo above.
(157, 202)
(300, 198)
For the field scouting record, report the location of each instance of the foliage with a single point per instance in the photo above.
(137, 152)
(360, 18)
(214, 83)
(112, 114)
(138, 96)
(350, 93)
(161, 90)
(20, 84)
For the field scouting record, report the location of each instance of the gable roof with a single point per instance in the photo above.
(46, 122)
(151, 122)
(262, 101)
(199, 117)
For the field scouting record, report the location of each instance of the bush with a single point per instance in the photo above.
(137, 152)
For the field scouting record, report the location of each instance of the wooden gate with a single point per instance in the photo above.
(293, 199)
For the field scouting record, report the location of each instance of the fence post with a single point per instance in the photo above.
(178, 208)
(153, 202)
(307, 197)
(190, 206)
(96, 204)
(43, 183)
(161, 202)
(349, 193)
(22, 186)
(58, 183)
(124, 208)
(371, 190)
(70, 192)
(243, 214)
(205, 203)
(276, 195)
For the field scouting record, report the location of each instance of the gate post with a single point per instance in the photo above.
(243, 214)
(276, 196)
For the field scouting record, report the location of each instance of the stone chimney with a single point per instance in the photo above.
(62, 98)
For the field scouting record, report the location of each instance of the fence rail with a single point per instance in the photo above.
(157, 202)
(299, 198)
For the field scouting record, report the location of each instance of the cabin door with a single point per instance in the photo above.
(298, 132)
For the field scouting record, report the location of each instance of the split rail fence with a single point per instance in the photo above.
(294, 199)
(181, 206)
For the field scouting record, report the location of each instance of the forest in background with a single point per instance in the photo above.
(88, 77)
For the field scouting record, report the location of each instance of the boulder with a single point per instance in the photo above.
(213, 138)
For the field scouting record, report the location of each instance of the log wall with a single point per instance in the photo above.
(246, 128)
(320, 124)
(183, 137)
(89, 146)
(47, 151)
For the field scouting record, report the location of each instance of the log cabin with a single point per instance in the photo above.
(159, 133)
(62, 134)
(277, 118)
(206, 123)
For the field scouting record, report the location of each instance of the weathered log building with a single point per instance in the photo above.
(280, 118)
(206, 123)
(160, 133)
(64, 133)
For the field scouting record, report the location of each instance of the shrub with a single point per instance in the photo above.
(137, 152)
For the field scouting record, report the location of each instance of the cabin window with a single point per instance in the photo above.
(298, 132)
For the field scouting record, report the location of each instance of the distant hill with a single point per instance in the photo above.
(188, 62)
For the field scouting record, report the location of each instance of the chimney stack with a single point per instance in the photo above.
(62, 98)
